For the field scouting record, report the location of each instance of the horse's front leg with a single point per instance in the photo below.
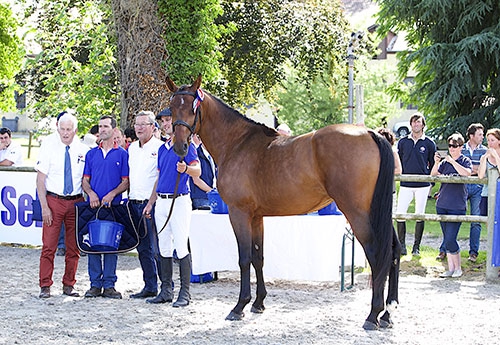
(258, 263)
(242, 231)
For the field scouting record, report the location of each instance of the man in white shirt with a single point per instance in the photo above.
(59, 185)
(10, 153)
(143, 165)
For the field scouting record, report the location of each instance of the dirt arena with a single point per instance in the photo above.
(432, 311)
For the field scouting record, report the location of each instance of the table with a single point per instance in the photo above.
(306, 247)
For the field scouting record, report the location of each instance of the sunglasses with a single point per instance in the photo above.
(453, 145)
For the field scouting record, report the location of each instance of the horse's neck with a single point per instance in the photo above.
(221, 129)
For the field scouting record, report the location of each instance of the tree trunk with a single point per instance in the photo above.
(141, 53)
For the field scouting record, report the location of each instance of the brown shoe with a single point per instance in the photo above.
(472, 257)
(69, 291)
(111, 293)
(45, 292)
(441, 256)
(93, 292)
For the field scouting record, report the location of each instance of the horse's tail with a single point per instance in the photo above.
(381, 209)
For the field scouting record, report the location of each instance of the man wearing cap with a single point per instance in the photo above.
(105, 178)
(60, 169)
(173, 232)
(164, 118)
(10, 153)
(143, 165)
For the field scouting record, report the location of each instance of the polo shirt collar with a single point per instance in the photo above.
(115, 145)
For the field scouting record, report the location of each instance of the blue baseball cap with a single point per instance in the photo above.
(164, 112)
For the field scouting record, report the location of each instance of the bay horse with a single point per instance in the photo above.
(263, 173)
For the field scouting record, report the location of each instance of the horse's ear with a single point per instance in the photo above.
(197, 82)
(171, 85)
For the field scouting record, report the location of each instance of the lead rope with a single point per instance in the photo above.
(173, 201)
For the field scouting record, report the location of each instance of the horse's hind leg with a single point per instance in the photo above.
(392, 295)
(258, 264)
(361, 229)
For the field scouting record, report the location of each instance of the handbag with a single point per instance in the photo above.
(37, 210)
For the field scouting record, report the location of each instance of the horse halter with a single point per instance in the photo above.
(196, 109)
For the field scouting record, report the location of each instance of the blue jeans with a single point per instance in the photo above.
(450, 231)
(102, 273)
(474, 196)
(147, 249)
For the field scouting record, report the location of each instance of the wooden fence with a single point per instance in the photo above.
(491, 272)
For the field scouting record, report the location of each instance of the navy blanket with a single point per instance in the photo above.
(117, 212)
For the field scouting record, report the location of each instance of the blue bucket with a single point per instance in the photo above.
(202, 278)
(217, 205)
(105, 235)
(330, 209)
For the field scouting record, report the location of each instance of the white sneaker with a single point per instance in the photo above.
(446, 274)
(457, 274)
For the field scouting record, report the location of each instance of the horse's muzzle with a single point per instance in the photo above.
(181, 148)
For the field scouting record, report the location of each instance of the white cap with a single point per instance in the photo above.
(90, 140)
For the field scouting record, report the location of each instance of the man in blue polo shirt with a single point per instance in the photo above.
(416, 152)
(173, 232)
(105, 177)
(473, 149)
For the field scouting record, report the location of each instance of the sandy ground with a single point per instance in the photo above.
(432, 311)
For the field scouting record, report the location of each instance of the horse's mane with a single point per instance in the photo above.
(270, 132)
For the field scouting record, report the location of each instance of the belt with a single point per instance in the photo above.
(65, 197)
(169, 196)
(133, 201)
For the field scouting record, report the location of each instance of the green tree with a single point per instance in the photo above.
(76, 67)
(309, 107)
(378, 104)
(191, 38)
(11, 54)
(454, 47)
(309, 35)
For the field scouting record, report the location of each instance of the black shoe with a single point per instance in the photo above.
(111, 293)
(61, 252)
(45, 292)
(144, 294)
(415, 251)
(403, 250)
(93, 292)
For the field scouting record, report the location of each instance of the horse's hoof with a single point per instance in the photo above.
(385, 324)
(370, 326)
(258, 310)
(233, 316)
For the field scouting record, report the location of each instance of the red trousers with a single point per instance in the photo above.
(63, 211)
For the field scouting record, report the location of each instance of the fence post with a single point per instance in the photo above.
(491, 272)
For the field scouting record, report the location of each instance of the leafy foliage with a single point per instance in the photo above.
(11, 53)
(378, 105)
(191, 38)
(310, 35)
(77, 66)
(305, 108)
(456, 57)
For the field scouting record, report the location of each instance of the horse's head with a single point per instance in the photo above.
(185, 106)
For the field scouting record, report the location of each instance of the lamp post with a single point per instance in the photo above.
(353, 44)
